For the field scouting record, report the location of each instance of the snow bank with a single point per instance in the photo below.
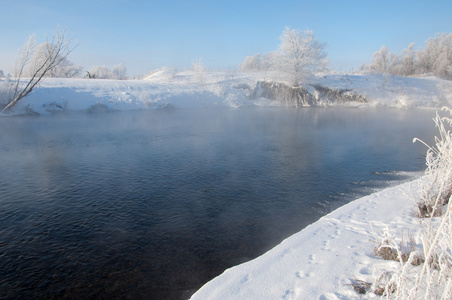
(319, 261)
(394, 91)
(167, 87)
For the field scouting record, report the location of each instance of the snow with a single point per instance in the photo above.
(181, 89)
(319, 261)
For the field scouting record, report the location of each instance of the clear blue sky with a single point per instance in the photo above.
(146, 35)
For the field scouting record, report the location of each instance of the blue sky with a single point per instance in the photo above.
(145, 35)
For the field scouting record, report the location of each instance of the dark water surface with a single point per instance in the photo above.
(151, 205)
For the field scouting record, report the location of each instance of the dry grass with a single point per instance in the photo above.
(363, 287)
(428, 211)
(403, 252)
(382, 289)
(433, 207)
(360, 286)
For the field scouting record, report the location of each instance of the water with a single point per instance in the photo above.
(151, 205)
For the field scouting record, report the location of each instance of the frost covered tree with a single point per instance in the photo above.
(56, 50)
(65, 69)
(101, 72)
(120, 72)
(301, 54)
(434, 59)
(381, 61)
(252, 63)
(408, 61)
(270, 61)
(261, 62)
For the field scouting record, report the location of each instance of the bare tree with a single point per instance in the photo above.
(56, 51)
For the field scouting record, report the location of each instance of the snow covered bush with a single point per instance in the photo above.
(436, 187)
(103, 72)
(433, 279)
(197, 66)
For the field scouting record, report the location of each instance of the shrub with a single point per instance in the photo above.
(434, 279)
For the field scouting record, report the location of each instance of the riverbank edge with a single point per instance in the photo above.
(319, 261)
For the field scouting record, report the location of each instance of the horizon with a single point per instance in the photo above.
(146, 35)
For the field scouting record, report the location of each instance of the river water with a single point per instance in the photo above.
(152, 204)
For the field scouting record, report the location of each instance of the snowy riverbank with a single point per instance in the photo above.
(182, 89)
(319, 261)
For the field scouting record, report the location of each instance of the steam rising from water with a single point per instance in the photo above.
(153, 204)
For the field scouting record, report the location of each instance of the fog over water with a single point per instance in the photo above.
(152, 204)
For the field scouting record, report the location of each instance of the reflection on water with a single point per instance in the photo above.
(151, 205)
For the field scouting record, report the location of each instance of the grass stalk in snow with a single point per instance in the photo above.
(433, 280)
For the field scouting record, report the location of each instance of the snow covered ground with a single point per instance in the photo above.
(181, 89)
(319, 261)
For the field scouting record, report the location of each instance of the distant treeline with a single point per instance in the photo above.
(434, 59)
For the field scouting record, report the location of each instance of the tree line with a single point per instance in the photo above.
(434, 59)
(299, 56)
(32, 56)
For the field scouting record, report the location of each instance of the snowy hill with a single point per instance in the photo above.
(166, 87)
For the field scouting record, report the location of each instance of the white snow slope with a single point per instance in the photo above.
(319, 261)
(181, 89)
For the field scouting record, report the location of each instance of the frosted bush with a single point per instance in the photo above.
(197, 66)
(436, 186)
(432, 280)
